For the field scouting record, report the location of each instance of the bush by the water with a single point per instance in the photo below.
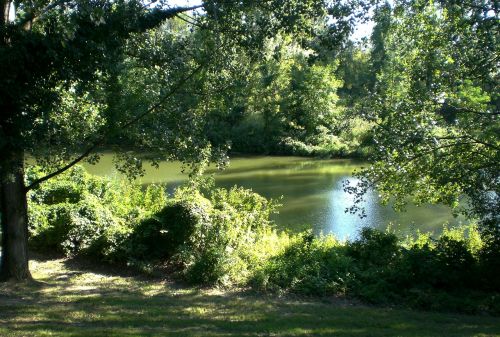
(225, 237)
(80, 214)
(447, 273)
(218, 238)
(206, 239)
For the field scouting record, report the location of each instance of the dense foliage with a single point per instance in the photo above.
(212, 238)
(435, 106)
(287, 103)
(445, 273)
(225, 237)
(280, 100)
(75, 76)
(80, 214)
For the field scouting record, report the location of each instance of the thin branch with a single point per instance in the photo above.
(484, 143)
(474, 141)
(188, 21)
(422, 154)
(165, 98)
(476, 112)
(189, 16)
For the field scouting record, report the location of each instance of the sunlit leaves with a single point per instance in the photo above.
(437, 109)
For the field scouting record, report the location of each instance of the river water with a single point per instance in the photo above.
(311, 191)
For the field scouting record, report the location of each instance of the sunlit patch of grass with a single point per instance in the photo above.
(69, 300)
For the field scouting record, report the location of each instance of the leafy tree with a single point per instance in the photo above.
(50, 50)
(284, 101)
(356, 73)
(293, 98)
(71, 84)
(436, 108)
(382, 18)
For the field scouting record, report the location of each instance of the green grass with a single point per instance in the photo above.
(72, 300)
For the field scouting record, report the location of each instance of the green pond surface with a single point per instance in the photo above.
(311, 191)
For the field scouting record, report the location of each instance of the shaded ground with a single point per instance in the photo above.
(71, 300)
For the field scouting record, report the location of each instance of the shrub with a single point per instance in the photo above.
(71, 228)
(374, 256)
(160, 236)
(307, 266)
(489, 255)
(48, 225)
(374, 248)
(455, 264)
(60, 192)
(417, 267)
(437, 274)
(77, 213)
(219, 251)
(226, 237)
(89, 222)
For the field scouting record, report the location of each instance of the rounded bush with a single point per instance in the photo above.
(49, 225)
(160, 236)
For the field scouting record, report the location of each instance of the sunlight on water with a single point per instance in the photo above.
(311, 191)
(344, 224)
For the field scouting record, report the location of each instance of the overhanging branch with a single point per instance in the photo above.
(64, 168)
(159, 14)
(102, 139)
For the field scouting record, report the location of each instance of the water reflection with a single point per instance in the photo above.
(312, 194)
(343, 224)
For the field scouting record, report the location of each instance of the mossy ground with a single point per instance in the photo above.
(71, 299)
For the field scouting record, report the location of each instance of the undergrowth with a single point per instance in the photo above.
(226, 238)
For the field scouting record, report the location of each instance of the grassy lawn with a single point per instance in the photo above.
(70, 300)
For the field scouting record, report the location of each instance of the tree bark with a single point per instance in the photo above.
(14, 219)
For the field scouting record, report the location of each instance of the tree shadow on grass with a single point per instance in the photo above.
(88, 303)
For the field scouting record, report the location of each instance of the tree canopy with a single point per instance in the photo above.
(435, 104)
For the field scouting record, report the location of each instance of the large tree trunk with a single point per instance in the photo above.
(14, 214)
